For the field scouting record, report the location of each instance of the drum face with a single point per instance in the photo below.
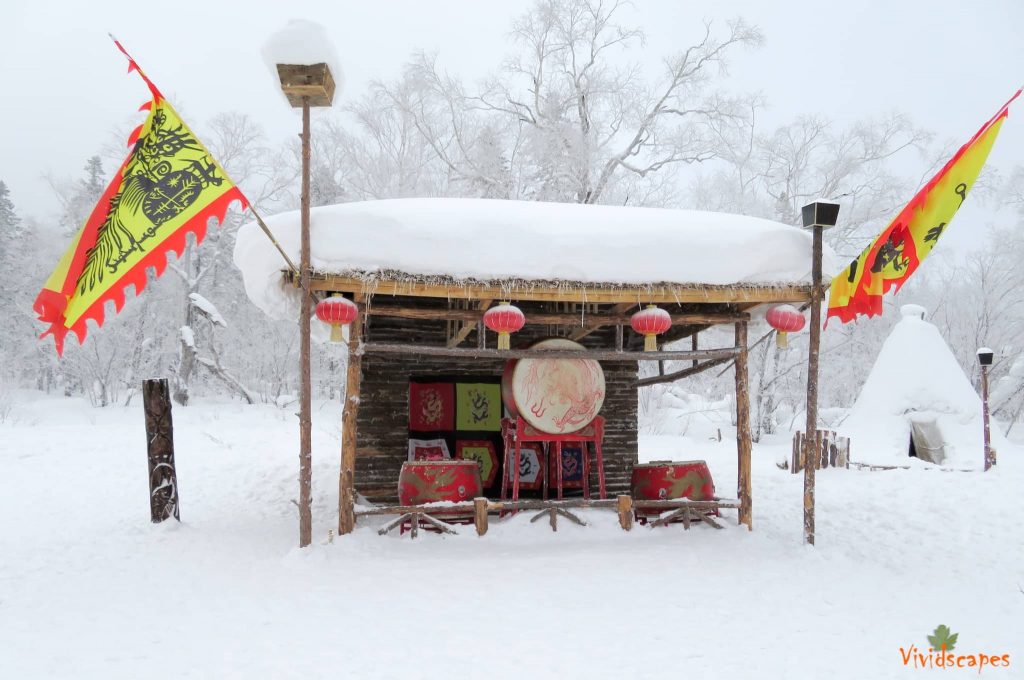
(558, 396)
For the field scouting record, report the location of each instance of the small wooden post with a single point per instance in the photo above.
(163, 481)
(744, 438)
(480, 515)
(353, 380)
(624, 505)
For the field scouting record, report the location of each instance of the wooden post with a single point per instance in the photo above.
(624, 505)
(305, 386)
(990, 455)
(743, 435)
(812, 387)
(353, 380)
(480, 515)
(163, 481)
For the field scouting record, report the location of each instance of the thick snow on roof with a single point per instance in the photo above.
(916, 377)
(493, 241)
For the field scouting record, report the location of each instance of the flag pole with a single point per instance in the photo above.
(270, 235)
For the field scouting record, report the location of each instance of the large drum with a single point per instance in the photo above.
(664, 480)
(439, 480)
(557, 396)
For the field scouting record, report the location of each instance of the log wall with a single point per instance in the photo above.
(383, 420)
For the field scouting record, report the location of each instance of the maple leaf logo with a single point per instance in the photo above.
(941, 638)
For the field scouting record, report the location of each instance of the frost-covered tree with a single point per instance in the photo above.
(565, 118)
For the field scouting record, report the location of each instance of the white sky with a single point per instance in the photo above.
(948, 64)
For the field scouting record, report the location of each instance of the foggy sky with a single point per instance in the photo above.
(948, 64)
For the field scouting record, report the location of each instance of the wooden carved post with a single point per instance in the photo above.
(353, 379)
(743, 435)
(810, 440)
(163, 481)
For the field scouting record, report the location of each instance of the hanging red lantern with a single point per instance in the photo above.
(785, 319)
(339, 312)
(651, 322)
(503, 319)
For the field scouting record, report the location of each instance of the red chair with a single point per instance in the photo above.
(516, 431)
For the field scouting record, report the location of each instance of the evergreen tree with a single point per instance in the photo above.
(10, 230)
(92, 185)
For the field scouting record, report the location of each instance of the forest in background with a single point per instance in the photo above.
(565, 117)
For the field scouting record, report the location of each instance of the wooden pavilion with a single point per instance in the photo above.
(428, 323)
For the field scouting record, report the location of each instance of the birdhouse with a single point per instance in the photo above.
(313, 82)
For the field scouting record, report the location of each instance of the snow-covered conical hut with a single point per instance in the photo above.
(917, 403)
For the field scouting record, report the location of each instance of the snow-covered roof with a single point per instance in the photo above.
(496, 241)
(916, 378)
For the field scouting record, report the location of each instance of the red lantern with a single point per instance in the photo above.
(785, 319)
(651, 322)
(503, 319)
(338, 311)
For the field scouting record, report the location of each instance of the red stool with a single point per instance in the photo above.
(516, 431)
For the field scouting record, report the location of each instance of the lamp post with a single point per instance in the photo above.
(985, 359)
(817, 217)
(305, 86)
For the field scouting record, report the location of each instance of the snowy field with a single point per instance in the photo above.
(90, 589)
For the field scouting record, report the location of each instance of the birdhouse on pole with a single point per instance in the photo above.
(312, 82)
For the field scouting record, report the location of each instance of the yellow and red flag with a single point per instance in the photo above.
(168, 185)
(896, 253)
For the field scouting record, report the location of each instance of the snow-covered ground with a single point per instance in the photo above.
(89, 588)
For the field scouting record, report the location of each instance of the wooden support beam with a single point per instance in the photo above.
(597, 293)
(685, 373)
(743, 434)
(469, 324)
(353, 380)
(588, 322)
(499, 354)
(469, 507)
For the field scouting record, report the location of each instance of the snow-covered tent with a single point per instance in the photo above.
(917, 403)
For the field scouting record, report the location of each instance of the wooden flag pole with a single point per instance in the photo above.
(270, 235)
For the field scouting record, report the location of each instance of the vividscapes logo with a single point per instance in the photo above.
(940, 654)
